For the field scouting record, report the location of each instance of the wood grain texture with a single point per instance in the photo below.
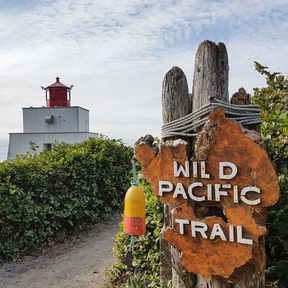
(176, 103)
(211, 71)
(211, 80)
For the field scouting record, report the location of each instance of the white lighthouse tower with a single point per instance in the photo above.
(57, 122)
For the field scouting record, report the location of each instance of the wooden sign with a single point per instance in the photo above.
(230, 180)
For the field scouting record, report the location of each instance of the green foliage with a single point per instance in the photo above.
(47, 196)
(273, 102)
(146, 253)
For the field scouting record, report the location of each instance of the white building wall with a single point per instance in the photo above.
(19, 142)
(65, 119)
(83, 117)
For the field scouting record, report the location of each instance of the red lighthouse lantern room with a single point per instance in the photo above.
(58, 94)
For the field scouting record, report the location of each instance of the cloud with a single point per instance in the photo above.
(116, 53)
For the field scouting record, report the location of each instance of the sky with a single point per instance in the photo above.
(116, 54)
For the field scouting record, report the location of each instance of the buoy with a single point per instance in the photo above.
(134, 208)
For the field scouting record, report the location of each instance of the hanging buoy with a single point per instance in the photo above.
(134, 208)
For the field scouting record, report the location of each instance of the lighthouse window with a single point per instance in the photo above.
(47, 146)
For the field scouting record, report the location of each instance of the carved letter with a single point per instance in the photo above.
(250, 189)
(181, 169)
(233, 168)
(193, 197)
(168, 188)
(179, 190)
(242, 240)
(181, 223)
(217, 231)
(219, 193)
(199, 227)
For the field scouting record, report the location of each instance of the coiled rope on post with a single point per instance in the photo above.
(187, 125)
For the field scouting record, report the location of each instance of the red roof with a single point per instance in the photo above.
(57, 84)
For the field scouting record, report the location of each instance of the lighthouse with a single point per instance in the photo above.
(58, 94)
(57, 122)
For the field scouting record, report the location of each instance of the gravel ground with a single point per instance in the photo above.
(78, 263)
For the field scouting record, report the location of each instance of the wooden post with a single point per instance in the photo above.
(210, 74)
(211, 79)
(176, 103)
(225, 142)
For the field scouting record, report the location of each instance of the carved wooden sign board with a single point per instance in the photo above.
(217, 197)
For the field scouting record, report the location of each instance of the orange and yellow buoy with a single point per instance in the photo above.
(134, 208)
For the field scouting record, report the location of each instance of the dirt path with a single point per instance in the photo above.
(80, 263)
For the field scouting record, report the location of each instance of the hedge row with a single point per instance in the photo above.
(45, 197)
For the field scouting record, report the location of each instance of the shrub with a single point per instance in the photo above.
(273, 102)
(48, 196)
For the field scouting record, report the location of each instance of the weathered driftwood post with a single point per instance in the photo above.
(211, 71)
(176, 103)
(215, 193)
(211, 79)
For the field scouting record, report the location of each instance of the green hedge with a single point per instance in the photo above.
(48, 196)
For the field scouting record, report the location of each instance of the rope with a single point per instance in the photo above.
(187, 126)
